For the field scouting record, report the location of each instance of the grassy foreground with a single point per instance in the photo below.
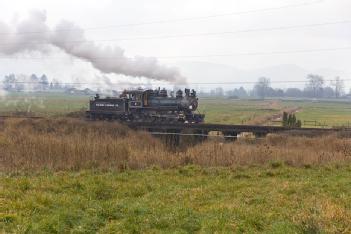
(268, 199)
(62, 175)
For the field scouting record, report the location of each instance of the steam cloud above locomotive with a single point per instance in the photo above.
(33, 34)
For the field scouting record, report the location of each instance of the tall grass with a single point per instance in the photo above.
(68, 144)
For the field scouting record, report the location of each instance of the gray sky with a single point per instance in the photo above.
(101, 13)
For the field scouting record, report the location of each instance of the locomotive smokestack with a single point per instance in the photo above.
(71, 39)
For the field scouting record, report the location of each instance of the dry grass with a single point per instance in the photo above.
(68, 144)
(295, 151)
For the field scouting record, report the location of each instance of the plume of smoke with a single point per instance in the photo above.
(107, 59)
(16, 39)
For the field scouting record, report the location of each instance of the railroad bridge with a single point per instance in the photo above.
(175, 131)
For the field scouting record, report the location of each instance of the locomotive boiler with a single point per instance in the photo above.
(147, 106)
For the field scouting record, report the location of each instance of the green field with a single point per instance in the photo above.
(43, 104)
(267, 199)
(315, 113)
(217, 110)
(330, 113)
(231, 111)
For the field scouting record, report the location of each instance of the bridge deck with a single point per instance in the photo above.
(205, 127)
(226, 128)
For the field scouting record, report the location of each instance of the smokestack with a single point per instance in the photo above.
(71, 39)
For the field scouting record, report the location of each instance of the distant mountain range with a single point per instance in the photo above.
(211, 72)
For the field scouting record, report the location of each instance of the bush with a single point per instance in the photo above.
(289, 120)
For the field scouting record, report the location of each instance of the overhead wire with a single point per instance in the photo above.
(202, 34)
(164, 21)
(195, 56)
(229, 32)
(175, 84)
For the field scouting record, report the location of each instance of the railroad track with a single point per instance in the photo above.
(205, 128)
(226, 129)
(19, 117)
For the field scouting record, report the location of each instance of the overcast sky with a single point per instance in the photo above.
(101, 13)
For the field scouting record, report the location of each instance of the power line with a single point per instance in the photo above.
(180, 84)
(279, 28)
(296, 5)
(224, 33)
(199, 56)
(260, 53)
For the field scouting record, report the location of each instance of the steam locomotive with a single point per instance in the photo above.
(147, 106)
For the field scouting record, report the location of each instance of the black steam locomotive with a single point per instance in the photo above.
(147, 106)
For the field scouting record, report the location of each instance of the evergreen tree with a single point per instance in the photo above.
(299, 124)
(293, 120)
(289, 120)
(285, 119)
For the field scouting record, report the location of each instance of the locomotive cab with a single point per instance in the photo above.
(136, 98)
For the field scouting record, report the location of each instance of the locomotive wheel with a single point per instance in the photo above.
(148, 119)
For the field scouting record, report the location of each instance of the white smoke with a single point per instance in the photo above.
(16, 38)
(71, 39)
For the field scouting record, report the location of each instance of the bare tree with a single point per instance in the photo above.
(262, 86)
(339, 86)
(315, 83)
(219, 91)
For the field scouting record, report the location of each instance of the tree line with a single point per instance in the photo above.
(34, 82)
(315, 87)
